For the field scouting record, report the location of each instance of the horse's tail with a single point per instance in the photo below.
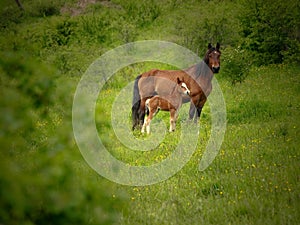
(136, 102)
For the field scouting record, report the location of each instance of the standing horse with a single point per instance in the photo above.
(171, 103)
(198, 77)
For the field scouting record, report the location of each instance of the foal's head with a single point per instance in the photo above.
(212, 57)
(182, 87)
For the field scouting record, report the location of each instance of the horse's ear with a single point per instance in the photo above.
(209, 46)
(218, 46)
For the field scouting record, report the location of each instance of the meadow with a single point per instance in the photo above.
(254, 178)
(46, 49)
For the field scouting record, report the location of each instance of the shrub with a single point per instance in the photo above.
(9, 13)
(217, 25)
(142, 13)
(42, 175)
(271, 29)
(236, 64)
(94, 27)
(58, 33)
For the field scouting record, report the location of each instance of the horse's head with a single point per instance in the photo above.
(183, 87)
(212, 57)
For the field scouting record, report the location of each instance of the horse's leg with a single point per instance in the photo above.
(147, 125)
(199, 109)
(192, 111)
(135, 115)
(142, 113)
(197, 117)
(149, 118)
(176, 114)
(144, 125)
(172, 120)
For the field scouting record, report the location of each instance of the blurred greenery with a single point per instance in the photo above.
(41, 179)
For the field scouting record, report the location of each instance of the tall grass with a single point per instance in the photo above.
(253, 180)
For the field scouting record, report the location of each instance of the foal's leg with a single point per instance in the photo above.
(148, 120)
(147, 124)
(144, 125)
(172, 120)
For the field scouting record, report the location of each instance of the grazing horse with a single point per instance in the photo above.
(171, 103)
(198, 78)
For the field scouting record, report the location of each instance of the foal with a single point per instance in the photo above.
(171, 103)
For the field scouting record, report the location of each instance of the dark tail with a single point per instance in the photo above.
(136, 101)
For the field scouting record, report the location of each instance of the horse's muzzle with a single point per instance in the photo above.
(215, 69)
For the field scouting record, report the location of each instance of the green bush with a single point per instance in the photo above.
(236, 64)
(142, 13)
(9, 14)
(44, 8)
(43, 178)
(219, 24)
(271, 29)
(57, 33)
(94, 27)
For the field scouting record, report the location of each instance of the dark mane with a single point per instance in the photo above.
(199, 69)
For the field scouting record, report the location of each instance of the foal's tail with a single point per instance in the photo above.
(136, 102)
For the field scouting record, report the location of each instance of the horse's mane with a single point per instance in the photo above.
(201, 68)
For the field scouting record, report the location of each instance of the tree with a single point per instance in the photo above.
(41, 176)
(271, 29)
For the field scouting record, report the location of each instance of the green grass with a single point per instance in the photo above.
(255, 177)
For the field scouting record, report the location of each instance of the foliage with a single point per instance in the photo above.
(236, 64)
(58, 33)
(142, 13)
(9, 14)
(45, 8)
(41, 181)
(271, 30)
(95, 27)
(217, 25)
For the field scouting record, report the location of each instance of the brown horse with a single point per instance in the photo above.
(198, 78)
(171, 103)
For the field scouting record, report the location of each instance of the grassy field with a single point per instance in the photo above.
(44, 52)
(255, 177)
